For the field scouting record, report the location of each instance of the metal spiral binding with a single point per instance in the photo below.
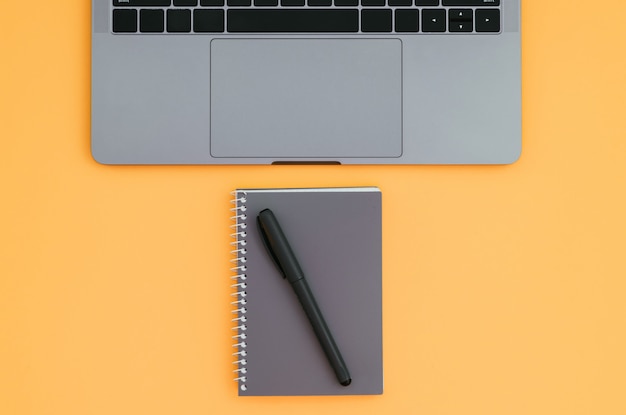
(239, 277)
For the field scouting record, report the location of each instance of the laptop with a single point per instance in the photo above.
(306, 81)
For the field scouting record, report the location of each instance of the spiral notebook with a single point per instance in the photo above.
(335, 234)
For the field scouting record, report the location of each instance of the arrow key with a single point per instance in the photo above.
(433, 20)
(488, 20)
(460, 15)
(461, 27)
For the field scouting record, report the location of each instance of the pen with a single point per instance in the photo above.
(279, 250)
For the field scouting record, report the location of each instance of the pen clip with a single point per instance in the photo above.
(268, 247)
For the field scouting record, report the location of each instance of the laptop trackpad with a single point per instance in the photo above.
(299, 98)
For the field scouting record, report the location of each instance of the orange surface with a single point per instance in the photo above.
(504, 287)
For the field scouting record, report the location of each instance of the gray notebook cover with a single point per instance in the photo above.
(336, 237)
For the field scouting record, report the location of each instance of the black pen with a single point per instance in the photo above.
(280, 251)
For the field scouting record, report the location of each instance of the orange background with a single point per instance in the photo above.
(504, 287)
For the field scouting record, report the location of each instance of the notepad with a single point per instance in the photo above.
(335, 234)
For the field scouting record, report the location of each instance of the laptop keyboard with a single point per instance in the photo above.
(306, 16)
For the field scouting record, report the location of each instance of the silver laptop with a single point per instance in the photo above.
(306, 81)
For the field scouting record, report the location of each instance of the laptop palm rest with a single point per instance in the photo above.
(306, 98)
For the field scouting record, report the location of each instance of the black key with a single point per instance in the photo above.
(433, 20)
(151, 21)
(375, 20)
(460, 15)
(427, 2)
(212, 3)
(346, 3)
(293, 20)
(318, 3)
(238, 3)
(488, 20)
(461, 26)
(460, 20)
(400, 2)
(372, 3)
(471, 3)
(208, 21)
(125, 21)
(291, 3)
(407, 20)
(266, 3)
(179, 20)
(142, 3)
(187, 3)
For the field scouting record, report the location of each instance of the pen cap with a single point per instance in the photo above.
(278, 246)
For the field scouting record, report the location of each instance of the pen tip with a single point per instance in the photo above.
(346, 382)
